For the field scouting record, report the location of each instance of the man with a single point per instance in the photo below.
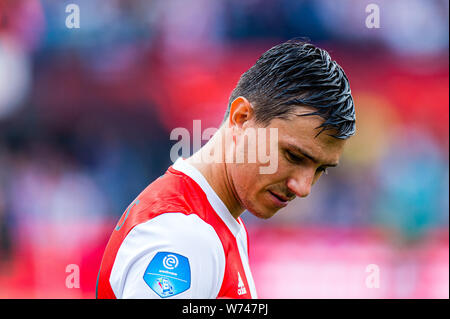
(183, 236)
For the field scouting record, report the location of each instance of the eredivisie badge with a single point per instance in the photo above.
(168, 274)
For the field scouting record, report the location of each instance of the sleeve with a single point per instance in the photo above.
(170, 256)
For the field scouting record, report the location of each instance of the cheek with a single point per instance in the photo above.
(247, 181)
(246, 175)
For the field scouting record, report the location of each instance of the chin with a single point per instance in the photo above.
(261, 213)
(260, 207)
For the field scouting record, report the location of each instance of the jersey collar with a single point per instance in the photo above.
(217, 204)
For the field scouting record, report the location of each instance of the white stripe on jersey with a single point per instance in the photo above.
(178, 233)
(243, 249)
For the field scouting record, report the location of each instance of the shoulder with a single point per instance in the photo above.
(176, 228)
(172, 192)
(191, 244)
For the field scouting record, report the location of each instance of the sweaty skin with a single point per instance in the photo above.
(302, 158)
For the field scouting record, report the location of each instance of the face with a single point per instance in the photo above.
(302, 159)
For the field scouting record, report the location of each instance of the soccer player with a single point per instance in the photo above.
(183, 237)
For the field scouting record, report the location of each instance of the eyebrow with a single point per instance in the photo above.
(309, 156)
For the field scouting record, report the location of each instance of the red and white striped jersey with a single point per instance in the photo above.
(177, 240)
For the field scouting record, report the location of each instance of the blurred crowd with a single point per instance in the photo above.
(86, 114)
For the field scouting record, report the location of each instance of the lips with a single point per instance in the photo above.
(278, 199)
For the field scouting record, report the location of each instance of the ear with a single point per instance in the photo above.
(241, 111)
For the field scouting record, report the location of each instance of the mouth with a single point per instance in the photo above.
(278, 199)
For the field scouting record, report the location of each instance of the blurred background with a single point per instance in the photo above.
(86, 114)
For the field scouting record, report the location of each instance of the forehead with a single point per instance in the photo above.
(301, 131)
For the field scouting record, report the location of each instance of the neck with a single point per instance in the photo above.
(216, 172)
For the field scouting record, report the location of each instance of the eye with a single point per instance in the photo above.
(293, 158)
(322, 170)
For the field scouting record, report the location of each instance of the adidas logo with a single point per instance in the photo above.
(241, 286)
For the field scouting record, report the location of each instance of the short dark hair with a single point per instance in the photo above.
(296, 73)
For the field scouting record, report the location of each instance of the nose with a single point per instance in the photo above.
(300, 184)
